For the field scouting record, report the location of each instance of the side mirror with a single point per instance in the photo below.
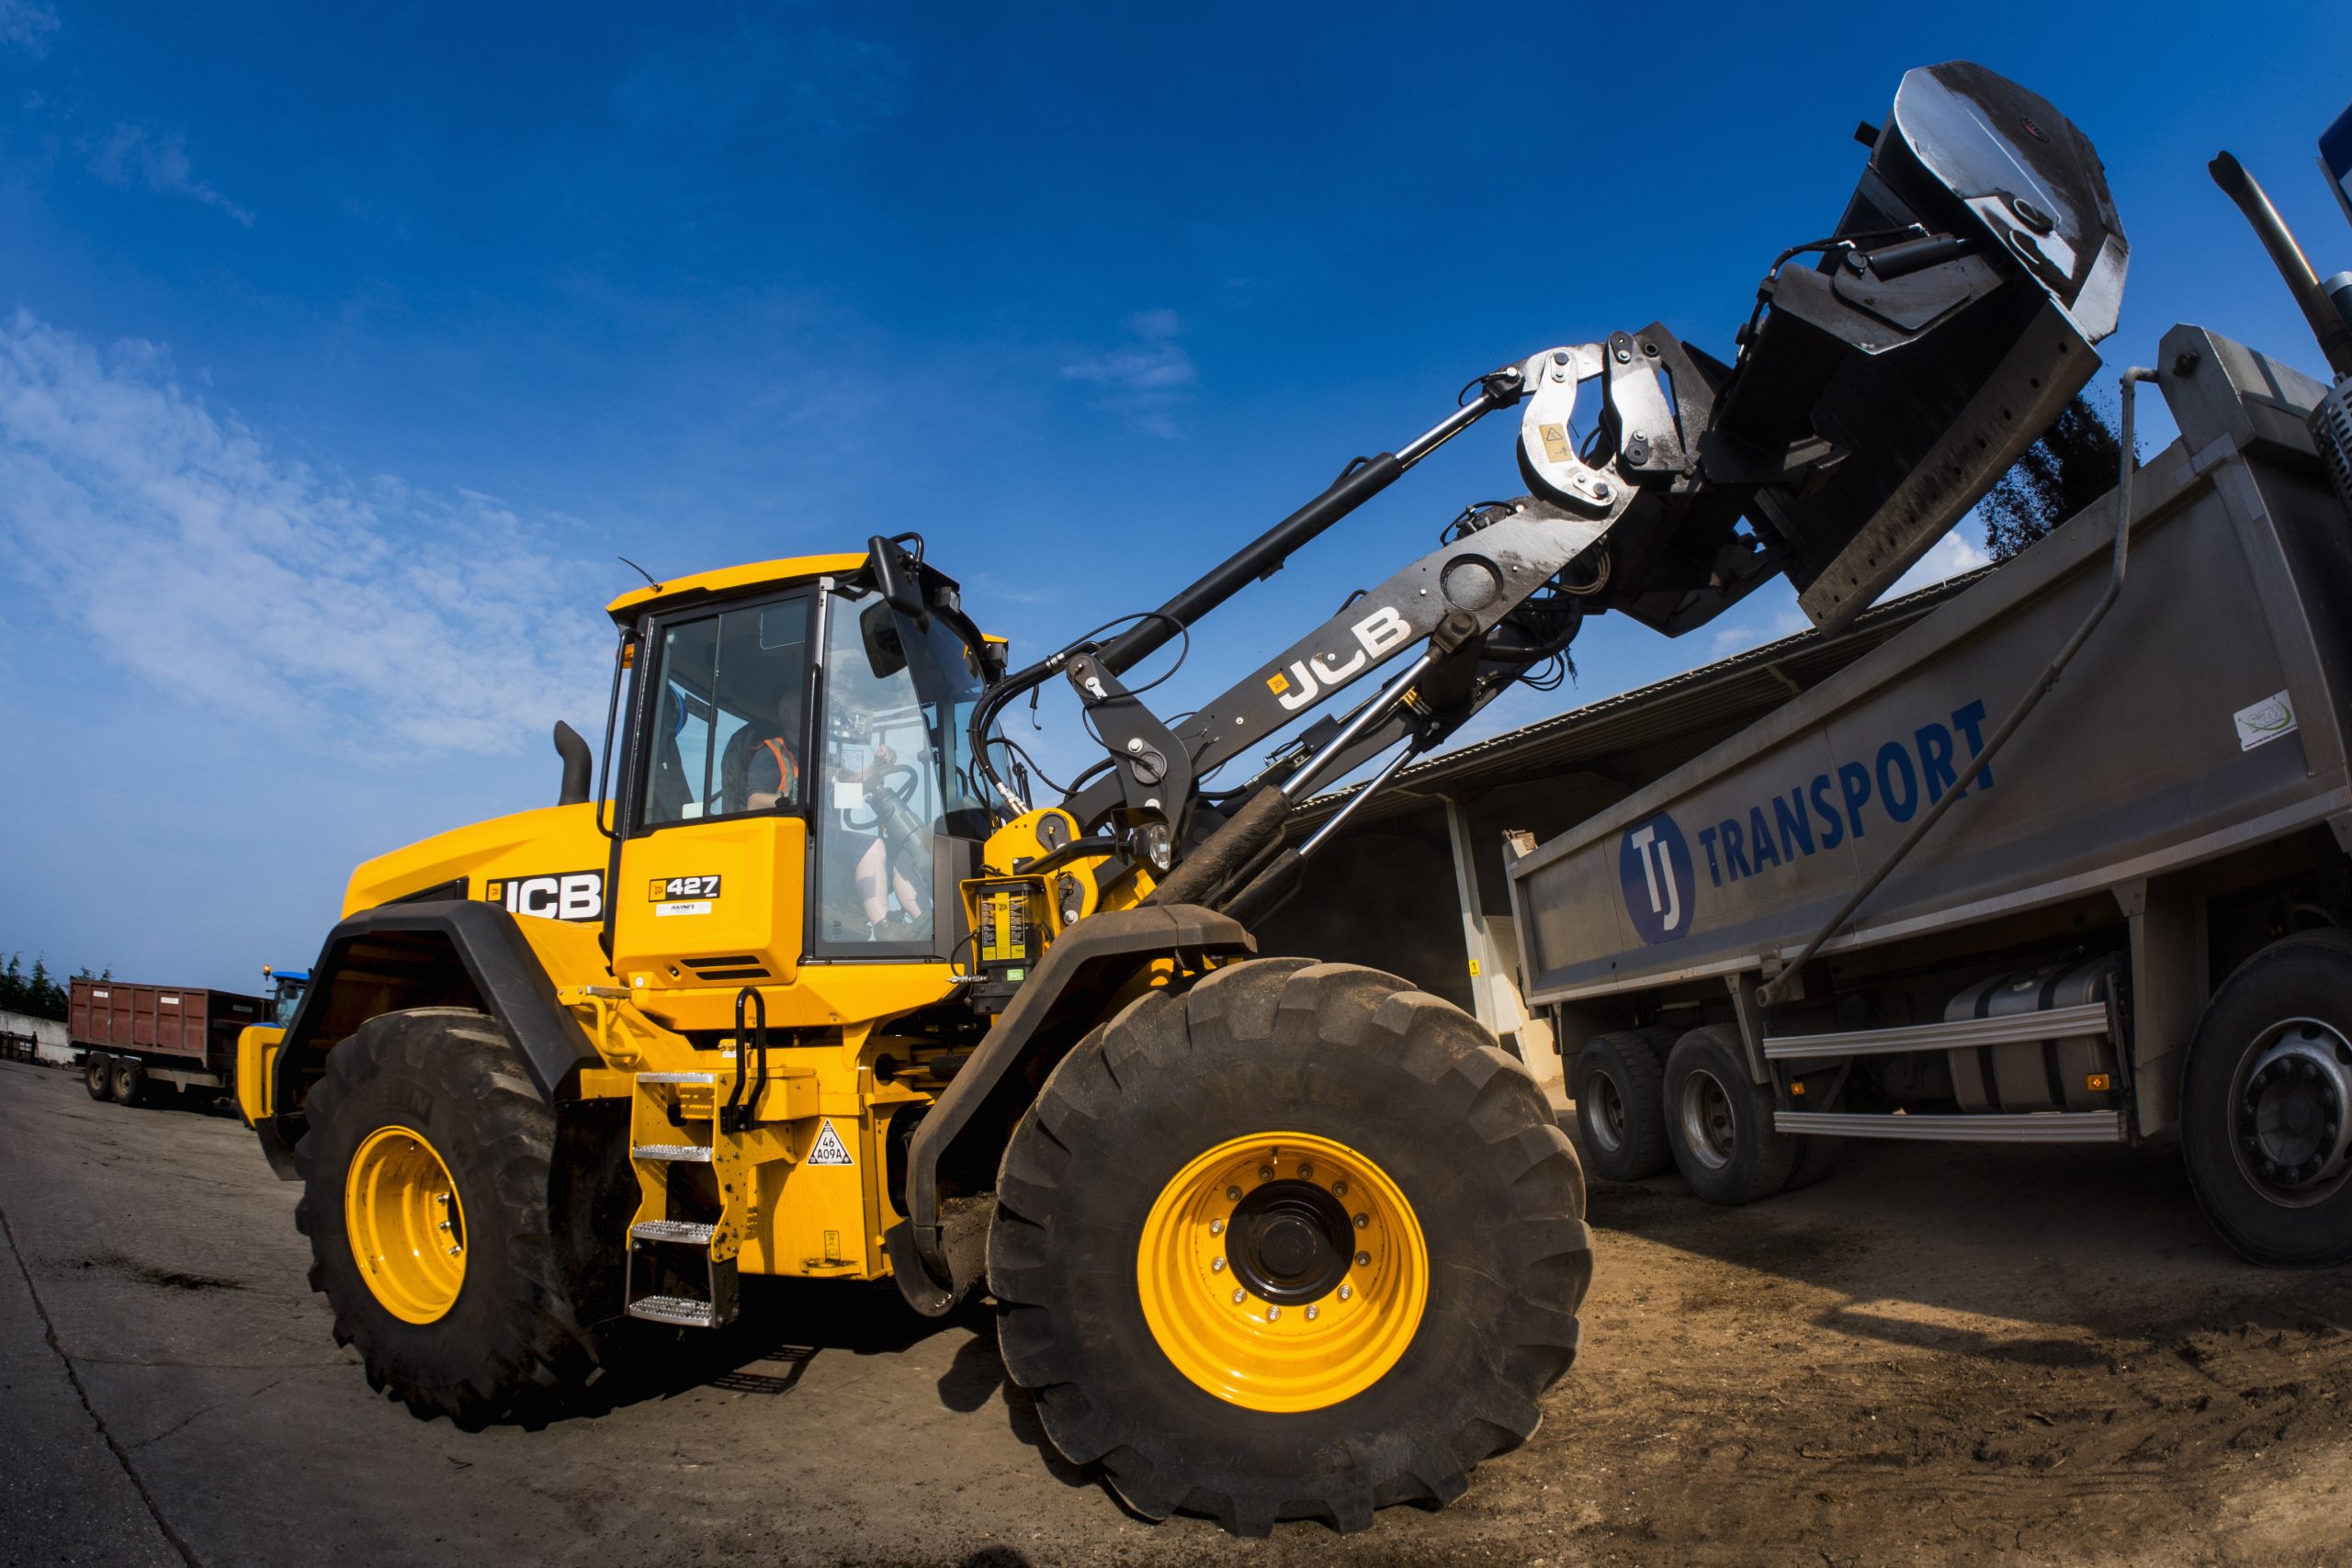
(901, 588)
(886, 655)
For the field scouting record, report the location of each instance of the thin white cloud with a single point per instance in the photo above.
(1738, 637)
(1954, 553)
(27, 25)
(1143, 379)
(358, 617)
(139, 155)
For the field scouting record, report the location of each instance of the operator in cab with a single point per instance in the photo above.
(761, 770)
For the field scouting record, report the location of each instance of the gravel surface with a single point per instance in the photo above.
(1938, 1354)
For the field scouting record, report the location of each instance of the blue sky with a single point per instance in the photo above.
(343, 348)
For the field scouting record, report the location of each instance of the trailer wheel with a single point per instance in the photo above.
(1817, 1158)
(97, 1075)
(1720, 1123)
(1620, 1093)
(431, 1196)
(130, 1081)
(2266, 1104)
(1296, 1243)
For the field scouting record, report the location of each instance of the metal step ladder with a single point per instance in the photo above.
(661, 1245)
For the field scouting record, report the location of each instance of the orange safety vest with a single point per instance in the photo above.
(787, 767)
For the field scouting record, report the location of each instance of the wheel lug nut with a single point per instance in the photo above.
(1339, 1190)
(1265, 1173)
(1217, 1228)
(1239, 1295)
(1314, 1313)
(1305, 1171)
(1362, 1220)
(1273, 1313)
(1216, 1265)
(1347, 1293)
(1233, 1194)
(1363, 1259)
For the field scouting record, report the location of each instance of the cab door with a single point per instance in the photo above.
(711, 863)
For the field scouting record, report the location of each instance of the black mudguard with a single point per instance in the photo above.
(450, 952)
(1065, 995)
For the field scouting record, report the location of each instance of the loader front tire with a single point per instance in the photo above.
(1383, 1188)
(430, 1195)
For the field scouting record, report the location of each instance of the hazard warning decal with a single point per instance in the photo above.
(829, 1148)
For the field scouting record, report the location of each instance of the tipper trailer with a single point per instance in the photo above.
(2135, 921)
(136, 1039)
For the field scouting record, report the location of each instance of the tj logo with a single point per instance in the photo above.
(1655, 872)
(1311, 676)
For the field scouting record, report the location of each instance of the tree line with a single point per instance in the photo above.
(36, 992)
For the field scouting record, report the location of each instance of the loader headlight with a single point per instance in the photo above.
(1153, 845)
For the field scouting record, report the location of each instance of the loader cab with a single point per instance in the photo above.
(796, 785)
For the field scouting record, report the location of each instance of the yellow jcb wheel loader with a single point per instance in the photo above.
(807, 983)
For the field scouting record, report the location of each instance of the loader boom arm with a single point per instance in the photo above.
(1889, 374)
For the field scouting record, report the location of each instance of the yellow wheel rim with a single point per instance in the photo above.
(1282, 1272)
(406, 1225)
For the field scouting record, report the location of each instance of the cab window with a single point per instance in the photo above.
(730, 731)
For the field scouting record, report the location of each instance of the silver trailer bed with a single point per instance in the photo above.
(2182, 798)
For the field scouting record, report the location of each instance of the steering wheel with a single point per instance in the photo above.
(901, 782)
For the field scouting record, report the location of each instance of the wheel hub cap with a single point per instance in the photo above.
(1709, 1129)
(405, 1224)
(2289, 1114)
(1282, 1271)
(1605, 1117)
(1292, 1243)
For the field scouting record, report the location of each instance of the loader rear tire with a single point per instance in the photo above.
(1620, 1093)
(426, 1130)
(97, 1076)
(1289, 1130)
(1720, 1121)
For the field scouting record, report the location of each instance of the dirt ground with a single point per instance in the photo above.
(1939, 1354)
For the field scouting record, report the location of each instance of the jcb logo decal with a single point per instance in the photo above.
(560, 895)
(1311, 676)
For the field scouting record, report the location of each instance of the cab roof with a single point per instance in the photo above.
(728, 579)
